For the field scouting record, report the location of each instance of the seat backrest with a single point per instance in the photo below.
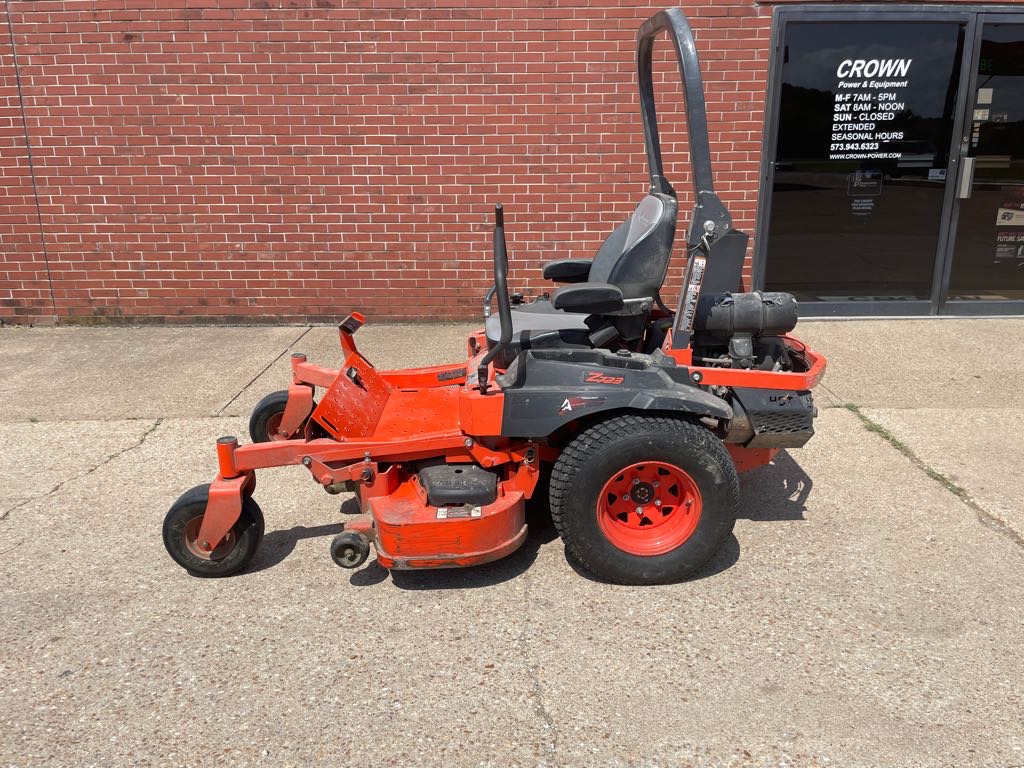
(635, 256)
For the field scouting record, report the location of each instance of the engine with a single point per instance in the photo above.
(744, 331)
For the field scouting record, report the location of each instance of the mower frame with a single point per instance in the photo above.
(373, 431)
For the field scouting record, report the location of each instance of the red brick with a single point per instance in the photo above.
(215, 160)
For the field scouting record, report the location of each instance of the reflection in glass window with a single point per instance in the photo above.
(865, 123)
(988, 255)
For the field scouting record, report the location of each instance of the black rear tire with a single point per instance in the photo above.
(231, 556)
(267, 415)
(601, 453)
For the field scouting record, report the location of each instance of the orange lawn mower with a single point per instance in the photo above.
(638, 416)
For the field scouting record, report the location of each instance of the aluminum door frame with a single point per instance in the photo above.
(972, 307)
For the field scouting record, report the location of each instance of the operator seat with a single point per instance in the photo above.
(607, 297)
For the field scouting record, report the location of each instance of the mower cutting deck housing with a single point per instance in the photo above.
(638, 417)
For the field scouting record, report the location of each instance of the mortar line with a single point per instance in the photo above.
(31, 161)
(986, 518)
(264, 371)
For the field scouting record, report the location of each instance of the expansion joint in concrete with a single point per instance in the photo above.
(549, 734)
(107, 460)
(263, 371)
(985, 517)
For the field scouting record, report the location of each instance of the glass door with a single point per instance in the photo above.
(867, 108)
(986, 272)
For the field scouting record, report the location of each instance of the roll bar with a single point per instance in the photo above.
(708, 206)
(715, 249)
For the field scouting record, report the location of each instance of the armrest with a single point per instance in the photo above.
(568, 270)
(591, 298)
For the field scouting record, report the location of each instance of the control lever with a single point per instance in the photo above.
(501, 289)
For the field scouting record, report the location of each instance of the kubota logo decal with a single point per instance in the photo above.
(596, 377)
(575, 404)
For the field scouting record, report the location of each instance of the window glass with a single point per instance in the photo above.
(988, 256)
(865, 123)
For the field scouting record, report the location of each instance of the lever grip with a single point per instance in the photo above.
(501, 289)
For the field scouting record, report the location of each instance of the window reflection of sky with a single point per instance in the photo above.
(1002, 48)
(815, 50)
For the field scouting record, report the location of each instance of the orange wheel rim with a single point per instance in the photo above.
(273, 425)
(649, 508)
(192, 542)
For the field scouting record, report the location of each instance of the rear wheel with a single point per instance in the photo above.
(266, 418)
(644, 500)
(181, 535)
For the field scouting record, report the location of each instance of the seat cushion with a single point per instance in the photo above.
(538, 325)
(536, 316)
(538, 305)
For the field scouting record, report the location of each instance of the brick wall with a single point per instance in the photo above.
(24, 283)
(290, 160)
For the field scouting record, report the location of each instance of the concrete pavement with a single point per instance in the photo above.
(867, 611)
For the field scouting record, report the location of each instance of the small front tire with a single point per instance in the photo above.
(350, 549)
(181, 530)
(266, 418)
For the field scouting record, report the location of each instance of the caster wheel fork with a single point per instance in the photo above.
(184, 522)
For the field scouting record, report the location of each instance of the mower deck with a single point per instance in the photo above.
(377, 419)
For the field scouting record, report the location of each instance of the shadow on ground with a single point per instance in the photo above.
(279, 544)
(775, 492)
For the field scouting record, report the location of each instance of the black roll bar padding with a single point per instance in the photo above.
(673, 21)
(501, 287)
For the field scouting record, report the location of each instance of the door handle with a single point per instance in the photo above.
(966, 178)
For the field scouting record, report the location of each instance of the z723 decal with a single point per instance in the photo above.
(598, 377)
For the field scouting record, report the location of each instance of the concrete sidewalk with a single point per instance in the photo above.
(868, 610)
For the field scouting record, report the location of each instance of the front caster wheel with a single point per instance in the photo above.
(181, 534)
(350, 549)
(644, 500)
(266, 418)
